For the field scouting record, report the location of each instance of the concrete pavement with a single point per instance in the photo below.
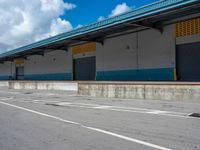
(61, 120)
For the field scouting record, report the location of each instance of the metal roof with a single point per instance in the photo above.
(145, 11)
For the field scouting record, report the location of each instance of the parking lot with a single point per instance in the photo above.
(31, 119)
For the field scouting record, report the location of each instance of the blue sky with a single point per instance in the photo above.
(88, 11)
(26, 21)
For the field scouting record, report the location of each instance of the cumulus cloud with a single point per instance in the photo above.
(119, 9)
(23, 22)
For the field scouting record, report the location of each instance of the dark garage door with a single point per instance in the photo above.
(19, 73)
(84, 68)
(188, 62)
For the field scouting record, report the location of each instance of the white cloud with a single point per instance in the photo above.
(79, 26)
(119, 9)
(101, 18)
(23, 22)
(69, 6)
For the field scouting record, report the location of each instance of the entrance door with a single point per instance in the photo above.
(188, 62)
(84, 68)
(19, 73)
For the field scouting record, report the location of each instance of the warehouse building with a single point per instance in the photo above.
(157, 42)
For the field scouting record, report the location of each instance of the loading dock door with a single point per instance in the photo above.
(19, 73)
(188, 62)
(84, 68)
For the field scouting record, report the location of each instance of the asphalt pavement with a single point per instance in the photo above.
(59, 120)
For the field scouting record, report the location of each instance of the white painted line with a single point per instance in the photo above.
(129, 139)
(121, 108)
(7, 98)
(145, 112)
(157, 112)
(11, 92)
(103, 107)
(135, 108)
(85, 104)
(90, 128)
(63, 103)
(125, 109)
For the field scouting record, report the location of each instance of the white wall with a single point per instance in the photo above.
(52, 62)
(7, 69)
(114, 55)
(155, 50)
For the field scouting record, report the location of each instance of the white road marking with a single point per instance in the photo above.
(157, 112)
(6, 98)
(109, 108)
(124, 109)
(129, 139)
(90, 128)
(103, 107)
(10, 92)
(63, 103)
(39, 113)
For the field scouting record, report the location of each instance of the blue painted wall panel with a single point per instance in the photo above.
(56, 76)
(161, 74)
(4, 77)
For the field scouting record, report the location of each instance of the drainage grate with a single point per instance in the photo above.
(197, 115)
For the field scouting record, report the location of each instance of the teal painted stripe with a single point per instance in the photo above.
(161, 74)
(5, 77)
(55, 76)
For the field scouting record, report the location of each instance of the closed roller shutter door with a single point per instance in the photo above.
(188, 62)
(85, 68)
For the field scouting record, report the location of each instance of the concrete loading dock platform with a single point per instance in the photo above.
(127, 90)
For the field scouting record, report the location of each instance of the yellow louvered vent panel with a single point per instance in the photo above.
(189, 27)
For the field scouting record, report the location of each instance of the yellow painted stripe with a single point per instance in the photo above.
(19, 61)
(88, 47)
(175, 75)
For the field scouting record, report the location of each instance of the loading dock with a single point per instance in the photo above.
(188, 60)
(20, 73)
(84, 61)
(84, 68)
